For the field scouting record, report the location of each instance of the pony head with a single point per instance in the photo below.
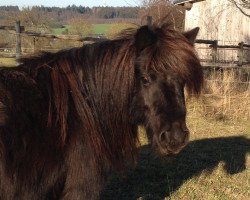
(166, 63)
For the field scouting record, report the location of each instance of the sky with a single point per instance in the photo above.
(64, 3)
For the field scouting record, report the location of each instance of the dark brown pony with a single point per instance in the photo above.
(68, 118)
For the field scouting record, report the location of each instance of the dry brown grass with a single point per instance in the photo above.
(7, 62)
(214, 166)
(226, 96)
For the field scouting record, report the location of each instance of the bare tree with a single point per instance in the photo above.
(160, 9)
(32, 18)
(243, 6)
(80, 26)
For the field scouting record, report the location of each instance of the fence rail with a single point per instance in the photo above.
(20, 31)
(212, 49)
(241, 53)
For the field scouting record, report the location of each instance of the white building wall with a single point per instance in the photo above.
(219, 20)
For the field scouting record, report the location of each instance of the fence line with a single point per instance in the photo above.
(213, 46)
(20, 30)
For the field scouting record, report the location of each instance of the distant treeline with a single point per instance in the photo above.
(97, 12)
(9, 8)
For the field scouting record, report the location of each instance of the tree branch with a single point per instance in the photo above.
(246, 4)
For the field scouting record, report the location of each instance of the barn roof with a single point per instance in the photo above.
(179, 2)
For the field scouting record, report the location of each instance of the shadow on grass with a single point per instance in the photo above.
(156, 178)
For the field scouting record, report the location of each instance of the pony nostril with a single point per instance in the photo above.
(180, 136)
(164, 137)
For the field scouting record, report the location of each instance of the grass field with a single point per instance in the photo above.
(7, 62)
(101, 28)
(59, 31)
(98, 29)
(214, 166)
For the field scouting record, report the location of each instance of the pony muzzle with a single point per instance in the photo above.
(173, 141)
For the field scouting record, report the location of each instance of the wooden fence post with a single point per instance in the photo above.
(18, 39)
(241, 54)
(34, 44)
(214, 51)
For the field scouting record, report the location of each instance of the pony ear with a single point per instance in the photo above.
(192, 34)
(144, 37)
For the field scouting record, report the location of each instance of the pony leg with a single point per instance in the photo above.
(84, 178)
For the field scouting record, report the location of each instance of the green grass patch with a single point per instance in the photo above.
(59, 31)
(101, 28)
(98, 29)
(7, 62)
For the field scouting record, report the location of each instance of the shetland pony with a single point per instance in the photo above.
(69, 118)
